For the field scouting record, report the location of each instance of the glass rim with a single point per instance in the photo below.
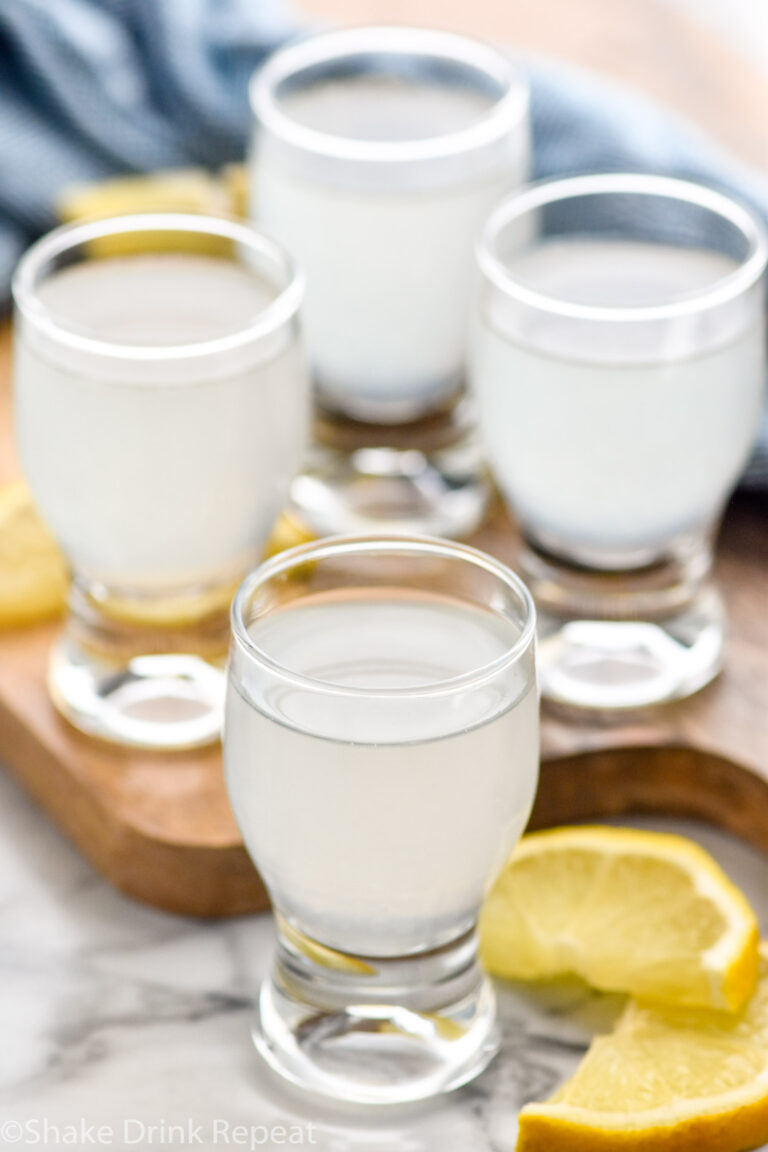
(389, 40)
(719, 292)
(333, 546)
(59, 240)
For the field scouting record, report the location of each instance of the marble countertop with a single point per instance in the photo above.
(124, 1027)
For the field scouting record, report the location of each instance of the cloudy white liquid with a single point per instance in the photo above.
(389, 270)
(162, 475)
(619, 453)
(379, 826)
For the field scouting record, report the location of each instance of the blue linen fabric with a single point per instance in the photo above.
(94, 88)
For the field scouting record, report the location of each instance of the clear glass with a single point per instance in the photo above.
(378, 154)
(381, 757)
(618, 364)
(162, 409)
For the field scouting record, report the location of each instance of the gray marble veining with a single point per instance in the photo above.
(117, 1017)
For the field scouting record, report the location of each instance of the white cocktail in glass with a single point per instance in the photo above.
(161, 412)
(379, 153)
(381, 755)
(618, 363)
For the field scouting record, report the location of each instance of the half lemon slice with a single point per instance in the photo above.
(645, 913)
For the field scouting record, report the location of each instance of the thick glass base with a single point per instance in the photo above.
(423, 478)
(125, 676)
(374, 1031)
(617, 641)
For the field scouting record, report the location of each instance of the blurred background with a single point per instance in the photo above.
(707, 59)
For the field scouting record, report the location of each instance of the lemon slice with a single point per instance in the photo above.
(639, 912)
(33, 575)
(181, 190)
(236, 182)
(286, 533)
(177, 190)
(666, 1080)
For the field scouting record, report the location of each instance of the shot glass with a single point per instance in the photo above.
(381, 757)
(378, 154)
(618, 364)
(162, 409)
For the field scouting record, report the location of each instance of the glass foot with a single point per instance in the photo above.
(606, 665)
(157, 701)
(376, 1031)
(612, 640)
(145, 674)
(428, 478)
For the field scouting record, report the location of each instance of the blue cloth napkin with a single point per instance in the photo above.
(93, 88)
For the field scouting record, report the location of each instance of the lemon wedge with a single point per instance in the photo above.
(33, 575)
(665, 1080)
(645, 913)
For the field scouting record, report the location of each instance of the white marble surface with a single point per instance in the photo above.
(115, 1015)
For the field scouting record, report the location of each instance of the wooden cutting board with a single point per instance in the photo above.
(160, 828)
